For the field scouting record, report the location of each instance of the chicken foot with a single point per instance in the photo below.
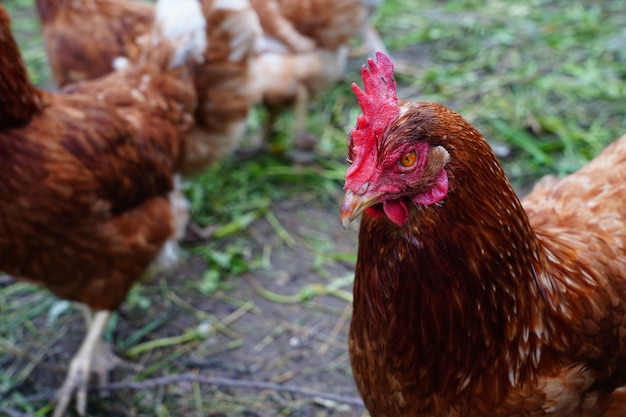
(94, 355)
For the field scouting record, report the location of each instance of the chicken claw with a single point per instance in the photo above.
(94, 355)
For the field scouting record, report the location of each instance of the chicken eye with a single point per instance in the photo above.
(409, 159)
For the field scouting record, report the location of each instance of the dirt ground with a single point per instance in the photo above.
(284, 323)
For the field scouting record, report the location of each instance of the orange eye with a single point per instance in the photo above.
(409, 159)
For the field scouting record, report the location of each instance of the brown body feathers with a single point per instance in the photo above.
(85, 176)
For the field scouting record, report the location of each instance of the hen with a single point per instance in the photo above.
(225, 83)
(466, 301)
(87, 197)
(84, 38)
(289, 70)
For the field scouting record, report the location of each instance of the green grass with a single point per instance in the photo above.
(545, 77)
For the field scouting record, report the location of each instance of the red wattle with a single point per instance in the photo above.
(397, 211)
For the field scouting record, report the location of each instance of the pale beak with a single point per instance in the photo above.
(353, 205)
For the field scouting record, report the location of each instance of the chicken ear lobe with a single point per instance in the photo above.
(436, 193)
(435, 171)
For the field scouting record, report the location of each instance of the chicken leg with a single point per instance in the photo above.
(303, 140)
(94, 355)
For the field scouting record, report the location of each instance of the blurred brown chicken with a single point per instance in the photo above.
(87, 187)
(84, 38)
(468, 302)
(304, 52)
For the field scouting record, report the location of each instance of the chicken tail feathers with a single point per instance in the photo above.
(182, 23)
(19, 98)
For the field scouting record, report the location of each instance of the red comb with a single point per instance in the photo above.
(379, 103)
(379, 98)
